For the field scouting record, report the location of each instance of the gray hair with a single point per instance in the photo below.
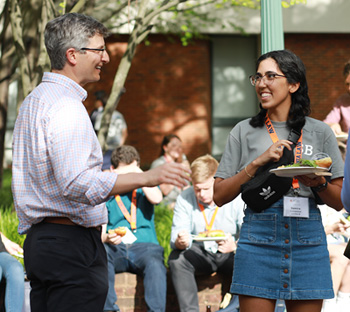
(71, 30)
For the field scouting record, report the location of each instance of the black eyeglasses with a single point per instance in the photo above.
(93, 49)
(269, 78)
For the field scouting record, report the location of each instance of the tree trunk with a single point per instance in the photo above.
(7, 52)
(121, 75)
(143, 26)
(17, 31)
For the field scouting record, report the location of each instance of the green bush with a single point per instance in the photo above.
(163, 220)
(6, 199)
(9, 225)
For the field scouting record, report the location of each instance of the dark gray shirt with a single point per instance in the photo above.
(245, 143)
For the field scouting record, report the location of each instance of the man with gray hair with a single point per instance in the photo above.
(58, 187)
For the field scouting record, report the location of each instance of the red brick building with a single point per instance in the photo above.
(170, 87)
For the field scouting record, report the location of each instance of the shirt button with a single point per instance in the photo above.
(285, 271)
(285, 285)
(287, 241)
(286, 226)
(286, 256)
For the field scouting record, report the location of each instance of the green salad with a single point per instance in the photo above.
(303, 163)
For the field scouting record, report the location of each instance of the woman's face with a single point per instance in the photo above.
(173, 148)
(347, 84)
(276, 93)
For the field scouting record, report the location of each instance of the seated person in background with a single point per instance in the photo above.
(196, 212)
(12, 271)
(339, 117)
(171, 152)
(138, 251)
(337, 231)
(98, 106)
(117, 131)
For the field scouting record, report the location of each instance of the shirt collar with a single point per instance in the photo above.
(67, 83)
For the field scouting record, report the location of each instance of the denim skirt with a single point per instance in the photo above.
(282, 257)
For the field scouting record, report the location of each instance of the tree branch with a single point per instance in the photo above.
(16, 23)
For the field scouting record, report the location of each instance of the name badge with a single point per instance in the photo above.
(296, 207)
(129, 237)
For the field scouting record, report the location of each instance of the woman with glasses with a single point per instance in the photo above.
(282, 251)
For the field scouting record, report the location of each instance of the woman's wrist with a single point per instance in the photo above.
(247, 173)
(321, 187)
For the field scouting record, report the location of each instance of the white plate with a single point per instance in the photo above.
(342, 137)
(203, 239)
(291, 172)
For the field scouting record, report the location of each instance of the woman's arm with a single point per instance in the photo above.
(225, 190)
(330, 194)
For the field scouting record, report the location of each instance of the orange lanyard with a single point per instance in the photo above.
(130, 218)
(274, 138)
(208, 226)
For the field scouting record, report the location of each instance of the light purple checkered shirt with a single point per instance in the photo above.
(57, 159)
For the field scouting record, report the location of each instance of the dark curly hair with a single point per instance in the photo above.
(294, 70)
(125, 154)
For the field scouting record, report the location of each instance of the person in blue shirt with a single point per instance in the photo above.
(138, 251)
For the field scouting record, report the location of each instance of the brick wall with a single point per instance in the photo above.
(324, 56)
(129, 288)
(169, 87)
(168, 90)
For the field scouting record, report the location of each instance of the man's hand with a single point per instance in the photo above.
(170, 173)
(182, 240)
(228, 245)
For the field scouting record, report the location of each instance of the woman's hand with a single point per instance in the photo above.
(330, 194)
(311, 182)
(273, 153)
(225, 190)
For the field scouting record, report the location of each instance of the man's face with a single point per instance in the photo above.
(347, 84)
(204, 191)
(90, 62)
